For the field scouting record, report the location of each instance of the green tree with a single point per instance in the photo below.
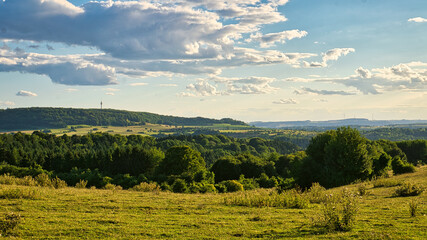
(182, 161)
(336, 157)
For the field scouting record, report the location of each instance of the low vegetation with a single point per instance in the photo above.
(70, 213)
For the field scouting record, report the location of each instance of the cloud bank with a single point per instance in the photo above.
(145, 38)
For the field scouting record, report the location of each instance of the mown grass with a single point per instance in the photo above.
(74, 213)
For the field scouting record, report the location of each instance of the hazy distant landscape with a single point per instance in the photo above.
(225, 119)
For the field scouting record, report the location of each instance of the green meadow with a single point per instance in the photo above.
(74, 213)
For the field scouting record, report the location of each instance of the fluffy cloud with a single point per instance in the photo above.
(146, 38)
(201, 88)
(68, 70)
(138, 84)
(417, 20)
(229, 86)
(306, 90)
(409, 77)
(24, 93)
(330, 55)
(268, 40)
(286, 101)
(138, 29)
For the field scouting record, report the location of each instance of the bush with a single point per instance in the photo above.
(58, 183)
(400, 167)
(248, 183)
(179, 186)
(362, 190)
(233, 186)
(9, 222)
(413, 207)
(383, 182)
(110, 186)
(408, 189)
(316, 193)
(165, 187)
(81, 184)
(146, 187)
(28, 181)
(7, 179)
(43, 180)
(221, 188)
(339, 211)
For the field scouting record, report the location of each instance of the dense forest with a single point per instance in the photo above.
(39, 118)
(201, 163)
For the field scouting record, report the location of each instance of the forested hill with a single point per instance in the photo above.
(37, 118)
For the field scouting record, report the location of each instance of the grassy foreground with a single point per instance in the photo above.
(71, 213)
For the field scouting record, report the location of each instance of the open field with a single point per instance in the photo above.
(71, 213)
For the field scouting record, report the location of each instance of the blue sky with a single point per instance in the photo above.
(250, 60)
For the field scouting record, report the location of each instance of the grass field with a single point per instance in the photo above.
(71, 213)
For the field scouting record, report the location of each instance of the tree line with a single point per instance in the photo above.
(203, 163)
(39, 118)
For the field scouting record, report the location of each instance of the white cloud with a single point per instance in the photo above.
(330, 55)
(146, 38)
(168, 85)
(139, 84)
(306, 90)
(112, 89)
(363, 73)
(229, 86)
(201, 88)
(409, 77)
(71, 90)
(417, 20)
(110, 93)
(7, 103)
(24, 93)
(286, 101)
(268, 40)
(67, 69)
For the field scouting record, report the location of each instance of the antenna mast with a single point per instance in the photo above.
(101, 104)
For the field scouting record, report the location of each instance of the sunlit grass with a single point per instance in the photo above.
(73, 213)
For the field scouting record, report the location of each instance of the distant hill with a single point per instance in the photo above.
(39, 118)
(354, 122)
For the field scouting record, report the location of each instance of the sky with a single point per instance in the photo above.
(268, 60)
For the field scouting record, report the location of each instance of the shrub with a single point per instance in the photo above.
(408, 189)
(28, 181)
(146, 187)
(7, 179)
(413, 207)
(383, 182)
(81, 184)
(400, 167)
(58, 183)
(221, 188)
(110, 186)
(339, 211)
(362, 189)
(248, 183)
(9, 222)
(165, 187)
(179, 186)
(233, 186)
(43, 180)
(316, 193)
(208, 188)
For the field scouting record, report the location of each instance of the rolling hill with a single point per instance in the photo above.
(39, 118)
